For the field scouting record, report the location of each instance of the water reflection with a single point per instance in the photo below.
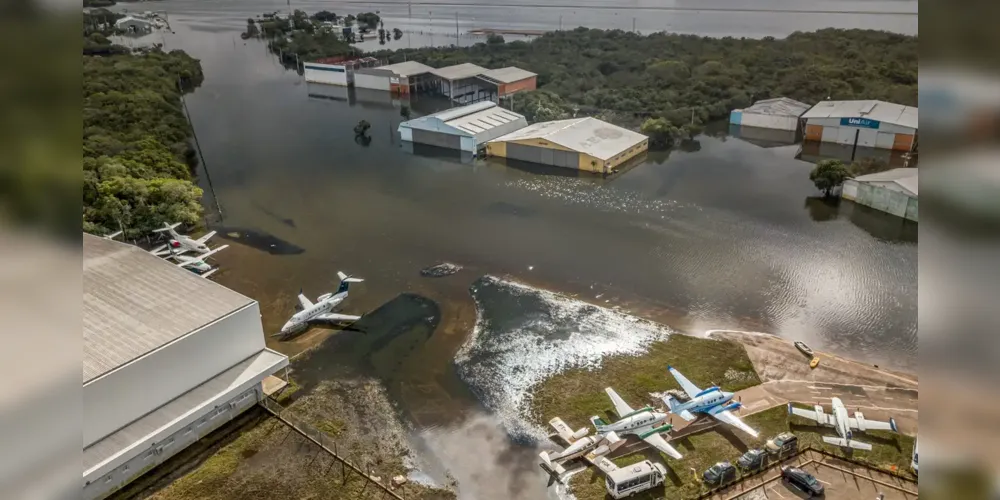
(881, 225)
(764, 137)
(813, 152)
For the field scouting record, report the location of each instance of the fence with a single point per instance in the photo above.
(327, 445)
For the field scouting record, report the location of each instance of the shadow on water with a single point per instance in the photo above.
(260, 240)
(284, 220)
(377, 345)
(881, 225)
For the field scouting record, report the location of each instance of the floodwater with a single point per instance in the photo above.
(721, 234)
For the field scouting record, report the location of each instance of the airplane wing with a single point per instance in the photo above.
(820, 418)
(159, 251)
(337, 317)
(601, 462)
(727, 417)
(212, 251)
(621, 407)
(205, 238)
(691, 389)
(562, 429)
(872, 424)
(839, 441)
(304, 302)
(657, 441)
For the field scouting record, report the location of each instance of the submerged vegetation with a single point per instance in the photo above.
(665, 82)
(137, 160)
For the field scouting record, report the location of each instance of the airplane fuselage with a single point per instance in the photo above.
(183, 241)
(840, 415)
(705, 402)
(577, 448)
(639, 422)
(303, 317)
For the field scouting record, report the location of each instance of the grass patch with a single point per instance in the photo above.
(704, 449)
(576, 394)
(286, 393)
(331, 427)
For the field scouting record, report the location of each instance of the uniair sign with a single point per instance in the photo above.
(859, 122)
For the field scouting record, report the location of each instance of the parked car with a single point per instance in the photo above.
(752, 460)
(782, 444)
(802, 480)
(720, 473)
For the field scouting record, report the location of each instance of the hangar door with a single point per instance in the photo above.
(545, 156)
(438, 139)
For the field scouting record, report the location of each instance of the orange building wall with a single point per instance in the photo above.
(814, 132)
(518, 86)
(902, 142)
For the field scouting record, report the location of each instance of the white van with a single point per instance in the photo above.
(632, 479)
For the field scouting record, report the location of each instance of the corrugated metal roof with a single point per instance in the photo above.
(459, 71)
(135, 302)
(482, 120)
(510, 74)
(258, 366)
(451, 114)
(897, 114)
(781, 106)
(587, 135)
(905, 177)
(408, 68)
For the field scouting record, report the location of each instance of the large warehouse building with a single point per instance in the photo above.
(893, 191)
(780, 113)
(466, 128)
(874, 124)
(586, 144)
(168, 356)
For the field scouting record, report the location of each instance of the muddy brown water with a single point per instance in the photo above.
(723, 234)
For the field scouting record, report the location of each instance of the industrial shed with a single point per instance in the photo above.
(168, 357)
(461, 83)
(509, 80)
(874, 124)
(893, 191)
(466, 128)
(586, 144)
(409, 77)
(780, 113)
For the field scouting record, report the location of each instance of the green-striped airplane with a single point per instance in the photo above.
(646, 423)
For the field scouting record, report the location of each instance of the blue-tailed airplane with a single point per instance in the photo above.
(712, 401)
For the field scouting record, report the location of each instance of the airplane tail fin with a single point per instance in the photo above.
(598, 423)
(858, 445)
(345, 281)
(167, 227)
(549, 464)
(671, 402)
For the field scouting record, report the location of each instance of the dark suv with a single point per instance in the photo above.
(802, 480)
(720, 473)
(752, 460)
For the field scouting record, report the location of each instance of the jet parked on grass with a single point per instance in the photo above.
(180, 243)
(646, 423)
(580, 444)
(712, 401)
(839, 420)
(322, 310)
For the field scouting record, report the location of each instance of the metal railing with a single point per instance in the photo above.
(327, 445)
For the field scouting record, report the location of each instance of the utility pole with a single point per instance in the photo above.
(633, 25)
(560, 22)
(456, 28)
(409, 14)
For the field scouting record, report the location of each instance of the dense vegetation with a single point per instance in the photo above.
(669, 81)
(136, 157)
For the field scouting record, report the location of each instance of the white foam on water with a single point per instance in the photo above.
(501, 366)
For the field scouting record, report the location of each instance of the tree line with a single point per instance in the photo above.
(137, 159)
(669, 85)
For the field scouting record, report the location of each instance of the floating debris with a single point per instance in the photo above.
(440, 270)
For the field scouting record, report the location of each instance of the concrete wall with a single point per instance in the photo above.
(585, 162)
(330, 74)
(172, 442)
(131, 391)
(770, 121)
(372, 78)
(518, 86)
(885, 196)
(887, 136)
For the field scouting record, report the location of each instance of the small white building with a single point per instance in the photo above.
(168, 357)
(893, 191)
(467, 128)
(874, 124)
(131, 24)
(780, 113)
(330, 74)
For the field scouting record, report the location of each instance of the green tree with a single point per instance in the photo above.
(828, 175)
(661, 133)
(325, 16)
(494, 39)
(404, 111)
(397, 33)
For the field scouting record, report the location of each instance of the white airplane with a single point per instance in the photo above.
(198, 264)
(322, 309)
(839, 420)
(180, 243)
(646, 423)
(712, 401)
(580, 444)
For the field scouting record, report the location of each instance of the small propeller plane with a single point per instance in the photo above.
(580, 444)
(712, 401)
(180, 243)
(646, 423)
(322, 310)
(839, 420)
(197, 264)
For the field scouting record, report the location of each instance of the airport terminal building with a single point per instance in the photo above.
(168, 357)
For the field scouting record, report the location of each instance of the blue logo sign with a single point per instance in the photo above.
(859, 122)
